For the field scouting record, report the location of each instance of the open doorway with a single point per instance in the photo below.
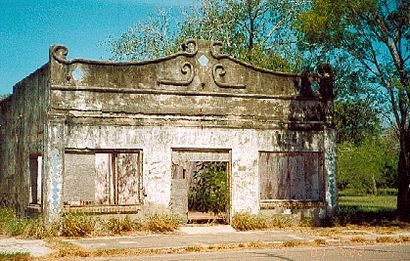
(208, 191)
(200, 188)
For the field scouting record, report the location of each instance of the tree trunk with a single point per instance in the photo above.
(403, 208)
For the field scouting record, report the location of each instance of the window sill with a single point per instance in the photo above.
(293, 204)
(34, 208)
(104, 209)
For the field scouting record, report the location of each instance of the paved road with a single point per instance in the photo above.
(351, 253)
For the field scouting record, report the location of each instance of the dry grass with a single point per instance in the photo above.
(192, 249)
(350, 230)
(245, 221)
(291, 243)
(64, 250)
(10, 225)
(19, 256)
(359, 240)
(118, 226)
(319, 242)
(77, 225)
(385, 239)
(83, 225)
(162, 223)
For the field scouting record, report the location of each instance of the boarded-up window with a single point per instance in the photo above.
(103, 178)
(291, 175)
(35, 179)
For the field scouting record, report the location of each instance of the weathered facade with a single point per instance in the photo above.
(116, 137)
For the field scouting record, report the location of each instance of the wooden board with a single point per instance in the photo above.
(290, 175)
(104, 187)
(127, 178)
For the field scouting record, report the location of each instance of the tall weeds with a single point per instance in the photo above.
(246, 221)
(81, 225)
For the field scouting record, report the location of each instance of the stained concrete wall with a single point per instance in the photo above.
(22, 119)
(196, 99)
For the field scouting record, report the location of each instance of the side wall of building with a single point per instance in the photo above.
(22, 120)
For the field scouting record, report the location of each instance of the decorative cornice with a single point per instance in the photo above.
(59, 53)
(104, 89)
(215, 48)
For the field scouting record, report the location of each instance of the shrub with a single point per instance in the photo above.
(77, 225)
(29, 228)
(118, 225)
(209, 189)
(358, 240)
(246, 221)
(278, 221)
(291, 243)
(7, 215)
(162, 223)
(35, 228)
(19, 256)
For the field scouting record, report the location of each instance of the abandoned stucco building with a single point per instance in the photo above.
(114, 137)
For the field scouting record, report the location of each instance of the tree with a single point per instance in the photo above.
(375, 34)
(257, 31)
(355, 120)
(208, 190)
(361, 167)
(4, 96)
(146, 40)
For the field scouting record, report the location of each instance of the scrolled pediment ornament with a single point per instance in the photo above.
(59, 53)
(186, 69)
(218, 72)
(190, 47)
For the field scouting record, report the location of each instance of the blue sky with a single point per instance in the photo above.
(29, 27)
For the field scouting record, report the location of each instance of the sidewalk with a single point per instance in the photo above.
(185, 237)
(190, 236)
(36, 248)
(212, 235)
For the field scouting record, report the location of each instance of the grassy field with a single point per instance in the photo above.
(19, 256)
(367, 208)
(369, 203)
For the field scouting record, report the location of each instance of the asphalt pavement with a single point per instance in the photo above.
(185, 237)
(331, 253)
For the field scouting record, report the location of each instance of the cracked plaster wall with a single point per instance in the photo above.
(178, 101)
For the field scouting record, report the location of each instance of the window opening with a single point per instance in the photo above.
(35, 181)
(103, 178)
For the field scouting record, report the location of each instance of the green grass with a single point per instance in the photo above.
(366, 208)
(18, 256)
(369, 203)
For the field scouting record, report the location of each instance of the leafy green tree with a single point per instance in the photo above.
(209, 188)
(354, 121)
(146, 40)
(375, 34)
(257, 31)
(4, 96)
(365, 167)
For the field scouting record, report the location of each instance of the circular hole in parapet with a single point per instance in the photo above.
(77, 74)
